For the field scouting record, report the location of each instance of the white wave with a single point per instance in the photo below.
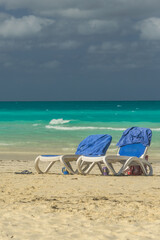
(58, 121)
(155, 129)
(83, 128)
(36, 124)
(6, 144)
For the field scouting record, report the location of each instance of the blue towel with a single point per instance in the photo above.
(94, 145)
(135, 135)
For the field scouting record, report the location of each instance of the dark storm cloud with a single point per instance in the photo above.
(79, 44)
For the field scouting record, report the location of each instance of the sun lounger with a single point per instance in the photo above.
(133, 147)
(87, 160)
(93, 145)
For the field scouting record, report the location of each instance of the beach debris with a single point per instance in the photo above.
(24, 172)
(64, 171)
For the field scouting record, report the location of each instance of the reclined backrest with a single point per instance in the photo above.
(134, 141)
(94, 145)
(133, 150)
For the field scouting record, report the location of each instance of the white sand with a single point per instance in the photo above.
(56, 206)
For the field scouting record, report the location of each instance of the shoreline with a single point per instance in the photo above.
(31, 156)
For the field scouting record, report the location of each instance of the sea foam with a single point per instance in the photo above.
(77, 128)
(155, 129)
(83, 128)
(58, 121)
(6, 144)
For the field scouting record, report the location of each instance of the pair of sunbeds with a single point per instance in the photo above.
(132, 150)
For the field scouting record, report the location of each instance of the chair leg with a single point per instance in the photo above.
(49, 167)
(140, 163)
(36, 165)
(109, 166)
(67, 165)
(90, 168)
(150, 168)
(86, 166)
(124, 166)
(100, 167)
(80, 164)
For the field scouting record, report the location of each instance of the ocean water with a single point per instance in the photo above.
(58, 127)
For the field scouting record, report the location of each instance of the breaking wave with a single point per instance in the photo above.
(58, 121)
(155, 129)
(83, 128)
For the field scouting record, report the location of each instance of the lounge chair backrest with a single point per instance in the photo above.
(133, 150)
(134, 141)
(94, 145)
(135, 135)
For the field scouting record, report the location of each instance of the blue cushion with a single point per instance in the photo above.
(135, 135)
(133, 150)
(50, 155)
(94, 145)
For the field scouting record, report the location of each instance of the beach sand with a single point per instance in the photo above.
(55, 206)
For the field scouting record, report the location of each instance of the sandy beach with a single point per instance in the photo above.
(56, 206)
(79, 78)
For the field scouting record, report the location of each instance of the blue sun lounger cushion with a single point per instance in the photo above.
(132, 150)
(94, 145)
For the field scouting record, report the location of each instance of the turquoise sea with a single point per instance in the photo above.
(58, 127)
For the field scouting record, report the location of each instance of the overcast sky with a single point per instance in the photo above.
(79, 50)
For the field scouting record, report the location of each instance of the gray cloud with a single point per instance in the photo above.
(70, 44)
(107, 47)
(71, 39)
(64, 45)
(22, 27)
(72, 8)
(149, 28)
(76, 13)
(117, 56)
(97, 27)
